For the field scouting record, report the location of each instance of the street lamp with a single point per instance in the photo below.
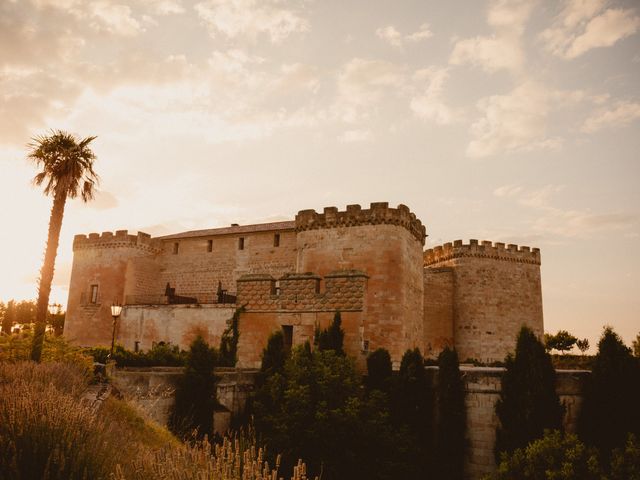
(116, 310)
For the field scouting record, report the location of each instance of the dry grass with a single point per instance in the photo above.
(47, 432)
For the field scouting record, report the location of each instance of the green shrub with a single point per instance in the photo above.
(160, 355)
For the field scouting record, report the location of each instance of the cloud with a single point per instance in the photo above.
(507, 190)
(513, 122)
(356, 136)
(103, 200)
(396, 39)
(620, 115)
(583, 25)
(502, 50)
(251, 18)
(429, 103)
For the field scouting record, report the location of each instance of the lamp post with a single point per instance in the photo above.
(116, 310)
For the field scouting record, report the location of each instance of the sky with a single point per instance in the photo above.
(506, 120)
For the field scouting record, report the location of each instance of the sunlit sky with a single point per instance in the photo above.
(506, 120)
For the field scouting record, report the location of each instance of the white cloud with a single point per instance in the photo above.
(391, 35)
(250, 18)
(508, 190)
(513, 122)
(429, 103)
(352, 136)
(587, 24)
(502, 50)
(622, 114)
(113, 18)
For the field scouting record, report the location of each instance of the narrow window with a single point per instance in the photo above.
(136, 346)
(94, 293)
(241, 243)
(209, 245)
(176, 247)
(287, 331)
(276, 240)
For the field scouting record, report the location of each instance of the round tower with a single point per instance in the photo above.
(496, 290)
(105, 270)
(384, 243)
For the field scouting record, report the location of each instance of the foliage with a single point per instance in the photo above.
(66, 171)
(47, 432)
(229, 340)
(17, 347)
(636, 346)
(625, 461)
(379, 370)
(562, 341)
(567, 361)
(451, 418)
(274, 355)
(583, 345)
(195, 393)
(160, 355)
(331, 338)
(611, 396)
(528, 402)
(553, 457)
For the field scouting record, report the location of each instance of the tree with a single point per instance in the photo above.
(195, 395)
(554, 456)
(379, 370)
(274, 355)
(229, 340)
(67, 171)
(611, 396)
(9, 317)
(451, 417)
(636, 346)
(331, 338)
(528, 402)
(625, 461)
(583, 345)
(562, 341)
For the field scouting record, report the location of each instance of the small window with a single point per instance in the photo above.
(94, 293)
(241, 243)
(365, 346)
(209, 245)
(276, 240)
(176, 247)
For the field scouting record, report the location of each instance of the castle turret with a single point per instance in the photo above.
(106, 268)
(384, 243)
(488, 290)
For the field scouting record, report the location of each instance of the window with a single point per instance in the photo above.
(276, 240)
(176, 247)
(287, 331)
(94, 293)
(209, 245)
(241, 243)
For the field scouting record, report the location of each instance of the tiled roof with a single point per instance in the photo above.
(261, 227)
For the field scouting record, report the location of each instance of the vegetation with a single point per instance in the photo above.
(229, 340)
(331, 338)
(195, 395)
(636, 346)
(160, 355)
(17, 347)
(554, 456)
(528, 401)
(611, 397)
(583, 345)
(379, 371)
(67, 171)
(562, 341)
(451, 418)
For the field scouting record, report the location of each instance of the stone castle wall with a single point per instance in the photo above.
(497, 291)
(439, 290)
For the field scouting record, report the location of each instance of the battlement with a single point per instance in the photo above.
(343, 290)
(484, 249)
(377, 214)
(121, 238)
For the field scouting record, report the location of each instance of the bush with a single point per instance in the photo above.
(625, 461)
(379, 370)
(553, 457)
(17, 347)
(331, 338)
(160, 355)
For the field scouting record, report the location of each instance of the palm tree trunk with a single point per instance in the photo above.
(46, 273)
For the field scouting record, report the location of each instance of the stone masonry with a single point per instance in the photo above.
(369, 264)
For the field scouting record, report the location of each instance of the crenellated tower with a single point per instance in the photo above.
(384, 243)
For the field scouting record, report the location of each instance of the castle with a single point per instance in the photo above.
(369, 264)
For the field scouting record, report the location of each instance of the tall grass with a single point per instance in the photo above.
(47, 432)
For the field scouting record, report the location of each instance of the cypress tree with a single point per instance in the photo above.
(195, 395)
(528, 402)
(274, 355)
(379, 370)
(451, 418)
(611, 406)
(332, 338)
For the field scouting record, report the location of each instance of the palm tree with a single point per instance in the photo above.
(67, 171)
